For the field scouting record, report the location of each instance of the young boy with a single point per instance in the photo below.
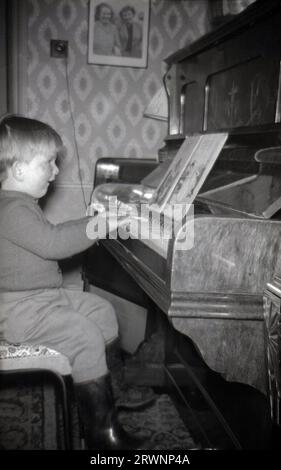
(34, 307)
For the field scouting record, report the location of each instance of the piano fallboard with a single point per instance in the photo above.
(149, 273)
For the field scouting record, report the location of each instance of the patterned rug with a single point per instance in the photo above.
(160, 426)
(27, 421)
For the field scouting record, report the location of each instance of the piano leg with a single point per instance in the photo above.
(226, 414)
(272, 322)
(219, 414)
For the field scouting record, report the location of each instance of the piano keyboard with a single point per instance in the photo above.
(155, 236)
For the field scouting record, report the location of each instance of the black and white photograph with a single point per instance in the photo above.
(140, 232)
(118, 32)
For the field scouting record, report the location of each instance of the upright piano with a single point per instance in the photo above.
(212, 295)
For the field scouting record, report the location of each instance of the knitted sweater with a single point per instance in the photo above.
(30, 245)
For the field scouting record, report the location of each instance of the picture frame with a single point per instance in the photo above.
(118, 32)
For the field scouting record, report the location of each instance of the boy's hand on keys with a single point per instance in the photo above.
(103, 223)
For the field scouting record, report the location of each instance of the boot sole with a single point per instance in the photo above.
(136, 406)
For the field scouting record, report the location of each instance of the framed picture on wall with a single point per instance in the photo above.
(118, 32)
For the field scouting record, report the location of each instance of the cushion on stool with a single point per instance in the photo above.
(28, 356)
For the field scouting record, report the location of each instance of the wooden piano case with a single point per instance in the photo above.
(210, 298)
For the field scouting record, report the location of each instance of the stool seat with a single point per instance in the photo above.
(15, 356)
(24, 362)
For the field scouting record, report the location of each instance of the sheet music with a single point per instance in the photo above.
(189, 169)
(174, 171)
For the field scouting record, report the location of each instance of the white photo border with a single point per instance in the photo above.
(142, 8)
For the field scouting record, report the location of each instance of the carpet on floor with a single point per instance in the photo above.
(28, 418)
(28, 421)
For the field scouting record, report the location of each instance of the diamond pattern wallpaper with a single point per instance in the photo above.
(107, 102)
(98, 110)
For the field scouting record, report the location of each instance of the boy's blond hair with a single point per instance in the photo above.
(22, 138)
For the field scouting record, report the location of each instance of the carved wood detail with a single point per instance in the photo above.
(272, 318)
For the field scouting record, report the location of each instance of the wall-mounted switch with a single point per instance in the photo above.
(59, 48)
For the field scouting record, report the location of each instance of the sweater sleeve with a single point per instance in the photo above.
(28, 228)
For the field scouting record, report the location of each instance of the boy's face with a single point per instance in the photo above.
(38, 173)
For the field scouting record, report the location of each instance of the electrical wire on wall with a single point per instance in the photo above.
(74, 132)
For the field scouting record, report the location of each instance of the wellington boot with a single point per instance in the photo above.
(99, 417)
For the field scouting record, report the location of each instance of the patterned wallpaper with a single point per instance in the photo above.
(107, 102)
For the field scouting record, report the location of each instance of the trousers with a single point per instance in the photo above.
(76, 324)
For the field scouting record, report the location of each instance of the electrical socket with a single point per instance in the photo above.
(59, 48)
